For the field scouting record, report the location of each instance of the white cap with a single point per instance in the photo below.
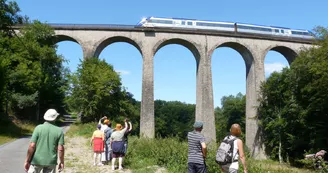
(50, 115)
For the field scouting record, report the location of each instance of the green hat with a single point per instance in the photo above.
(198, 124)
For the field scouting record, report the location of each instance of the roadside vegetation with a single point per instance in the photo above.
(165, 155)
(292, 112)
(13, 129)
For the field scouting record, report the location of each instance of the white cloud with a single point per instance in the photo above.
(123, 72)
(270, 68)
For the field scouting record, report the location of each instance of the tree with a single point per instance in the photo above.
(293, 108)
(173, 118)
(96, 90)
(233, 111)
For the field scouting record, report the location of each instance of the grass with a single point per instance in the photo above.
(13, 129)
(148, 155)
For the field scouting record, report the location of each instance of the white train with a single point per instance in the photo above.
(224, 26)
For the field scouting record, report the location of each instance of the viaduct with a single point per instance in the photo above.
(202, 43)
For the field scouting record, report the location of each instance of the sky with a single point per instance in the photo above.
(174, 65)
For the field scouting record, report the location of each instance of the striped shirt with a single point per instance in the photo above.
(195, 154)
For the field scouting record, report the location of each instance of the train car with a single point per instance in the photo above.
(306, 34)
(186, 23)
(224, 26)
(258, 29)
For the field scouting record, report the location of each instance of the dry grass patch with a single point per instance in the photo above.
(79, 157)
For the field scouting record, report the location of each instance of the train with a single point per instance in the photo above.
(159, 22)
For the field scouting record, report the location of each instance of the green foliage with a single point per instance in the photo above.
(233, 111)
(170, 153)
(293, 108)
(82, 129)
(9, 16)
(30, 70)
(173, 118)
(34, 71)
(96, 90)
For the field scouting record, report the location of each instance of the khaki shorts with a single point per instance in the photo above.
(44, 169)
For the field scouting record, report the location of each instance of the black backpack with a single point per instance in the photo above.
(224, 154)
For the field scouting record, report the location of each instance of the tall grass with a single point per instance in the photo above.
(173, 154)
(146, 155)
(11, 130)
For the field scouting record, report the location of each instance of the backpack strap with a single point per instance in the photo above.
(233, 157)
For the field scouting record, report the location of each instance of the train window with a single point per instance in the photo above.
(183, 22)
(215, 24)
(161, 21)
(255, 28)
(282, 31)
(276, 30)
(189, 23)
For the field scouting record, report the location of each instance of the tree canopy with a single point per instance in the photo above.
(294, 108)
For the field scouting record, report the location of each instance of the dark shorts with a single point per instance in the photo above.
(118, 149)
(117, 155)
(196, 168)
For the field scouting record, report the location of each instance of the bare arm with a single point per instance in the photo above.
(130, 125)
(61, 153)
(30, 152)
(242, 154)
(204, 149)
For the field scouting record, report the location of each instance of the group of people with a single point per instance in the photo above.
(110, 144)
(197, 150)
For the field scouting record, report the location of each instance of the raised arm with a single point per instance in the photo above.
(130, 126)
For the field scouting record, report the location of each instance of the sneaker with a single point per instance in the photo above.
(120, 168)
(113, 168)
(100, 164)
(94, 164)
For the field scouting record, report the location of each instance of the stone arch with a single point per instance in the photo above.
(243, 50)
(59, 38)
(287, 52)
(108, 41)
(187, 44)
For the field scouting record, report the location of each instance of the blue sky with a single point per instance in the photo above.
(174, 65)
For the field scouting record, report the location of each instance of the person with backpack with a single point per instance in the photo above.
(230, 151)
(196, 150)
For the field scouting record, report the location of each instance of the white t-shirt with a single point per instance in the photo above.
(235, 165)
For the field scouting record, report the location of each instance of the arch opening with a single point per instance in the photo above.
(104, 43)
(190, 46)
(175, 85)
(288, 53)
(72, 53)
(275, 61)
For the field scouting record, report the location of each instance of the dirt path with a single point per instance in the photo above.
(79, 157)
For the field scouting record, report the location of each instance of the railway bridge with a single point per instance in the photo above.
(202, 43)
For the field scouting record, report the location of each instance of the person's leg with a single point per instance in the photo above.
(191, 168)
(94, 158)
(106, 153)
(113, 161)
(200, 168)
(120, 160)
(49, 169)
(100, 159)
(34, 169)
